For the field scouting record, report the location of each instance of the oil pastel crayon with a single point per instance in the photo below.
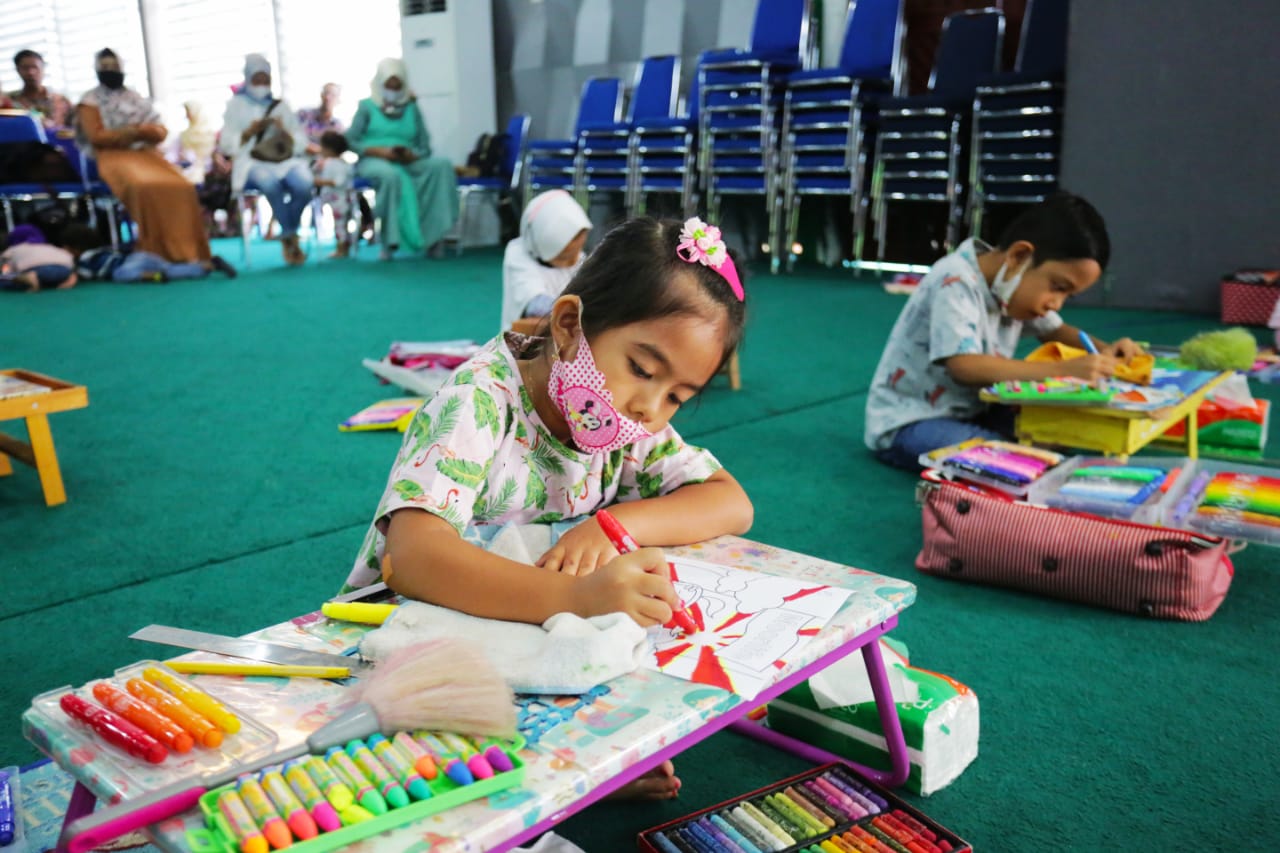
(400, 768)
(829, 846)
(201, 730)
(870, 838)
(322, 813)
(241, 823)
(477, 763)
(335, 791)
(784, 821)
(496, 756)
(845, 808)
(696, 839)
(144, 717)
(295, 814)
(194, 698)
(730, 830)
(377, 773)
(347, 772)
(677, 840)
(453, 767)
(759, 836)
(859, 793)
(114, 729)
(810, 806)
(770, 826)
(268, 819)
(354, 814)
(798, 815)
(663, 843)
(723, 841)
(421, 758)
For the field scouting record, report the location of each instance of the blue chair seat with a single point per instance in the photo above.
(483, 183)
(671, 124)
(552, 145)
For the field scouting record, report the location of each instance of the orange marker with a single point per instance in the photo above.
(194, 698)
(141, 715)
(201, 730)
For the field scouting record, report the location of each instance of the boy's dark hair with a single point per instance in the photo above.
(334, 141)
(1063, 227)
(26, 53)
(105, 53)
(630, 278)
(78, 238)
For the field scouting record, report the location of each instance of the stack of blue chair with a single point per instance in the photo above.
(605, 148)
(664, 154)
(18, 127)
(1017, 118)
(826, 125)
(555, 163)
(740, 92)
(921, 149)
(495, 188)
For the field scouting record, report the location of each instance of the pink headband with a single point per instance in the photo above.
(701, 243)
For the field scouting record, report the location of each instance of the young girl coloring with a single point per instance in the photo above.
(545, 429)
(958, 331)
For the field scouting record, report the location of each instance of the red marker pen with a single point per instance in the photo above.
(114, 729)
(622, 540)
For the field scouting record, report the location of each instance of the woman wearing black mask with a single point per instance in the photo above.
(121, 129)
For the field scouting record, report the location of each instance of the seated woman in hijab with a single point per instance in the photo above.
(120, 129)
(417, 194)
(539, 263)
(267, 148)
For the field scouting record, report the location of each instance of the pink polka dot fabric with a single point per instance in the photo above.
(578, 389)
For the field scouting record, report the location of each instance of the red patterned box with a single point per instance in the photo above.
(1249, 296)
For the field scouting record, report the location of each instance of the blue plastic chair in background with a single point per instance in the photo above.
(739, 110)
(1017, 119)
(18, 127)
(554, 163)
(664, 154)
(826, 126)
(605, 149)
(505, 184)
(921, 148)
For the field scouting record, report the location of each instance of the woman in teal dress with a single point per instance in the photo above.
(417, 194)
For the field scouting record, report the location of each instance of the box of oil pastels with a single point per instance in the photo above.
(829, 809)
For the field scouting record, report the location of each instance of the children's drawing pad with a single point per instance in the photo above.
(387, 414)
(13, 386)
(751, 624)
(1050, 392)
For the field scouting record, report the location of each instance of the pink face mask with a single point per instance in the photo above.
(578, 389)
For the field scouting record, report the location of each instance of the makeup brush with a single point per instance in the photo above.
(441, 684)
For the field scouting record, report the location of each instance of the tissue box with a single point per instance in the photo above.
(939, 717)
(1235, 430)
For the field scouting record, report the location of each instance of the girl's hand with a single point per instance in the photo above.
(580, 551)
(1123, 349)
(637, 584)
(1090, 368)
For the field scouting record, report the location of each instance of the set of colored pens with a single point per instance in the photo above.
(349, 785)
(1009, 467)
(828, 810)
(154, 715)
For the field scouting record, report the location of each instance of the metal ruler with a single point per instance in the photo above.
(245, 648)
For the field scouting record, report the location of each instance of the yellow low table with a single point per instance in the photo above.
(36, 408)
(1112, 432)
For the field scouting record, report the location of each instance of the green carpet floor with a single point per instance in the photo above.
(209, 487)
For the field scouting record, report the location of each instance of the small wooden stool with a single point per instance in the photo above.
(36, 408)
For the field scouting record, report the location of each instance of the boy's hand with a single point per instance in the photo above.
(1090, 368)
(580, 551)
(637, 584)
(1123, 349)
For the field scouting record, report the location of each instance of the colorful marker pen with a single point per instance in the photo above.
(376, 773)
(401, 770)
(144, 717)
(453, 766)
(201, 730)
(422, 760)
(241, 823)
(114, 729)
(194, 698)
(255, 799)
(625, 544)
(289, 806)
(295, 773)
(337, 793)
(346, 771)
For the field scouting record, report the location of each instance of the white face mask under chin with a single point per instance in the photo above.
(1005, 285)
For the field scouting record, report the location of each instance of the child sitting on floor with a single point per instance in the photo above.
(546, 429)
(540, 262)
(28, 263)
(958, 331)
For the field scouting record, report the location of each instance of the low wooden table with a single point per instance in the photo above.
(36, 408)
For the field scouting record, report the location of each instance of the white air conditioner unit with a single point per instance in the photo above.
(448, 48)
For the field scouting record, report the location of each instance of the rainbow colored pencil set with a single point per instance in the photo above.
(826, 810)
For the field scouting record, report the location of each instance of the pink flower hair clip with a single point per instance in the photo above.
(700, 243)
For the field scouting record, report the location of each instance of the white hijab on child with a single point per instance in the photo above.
(550, 223)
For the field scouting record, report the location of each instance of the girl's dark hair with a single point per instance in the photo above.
(334, 141)
(1063, 227)
(631, 277)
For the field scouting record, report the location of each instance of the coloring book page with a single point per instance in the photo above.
(750, 625)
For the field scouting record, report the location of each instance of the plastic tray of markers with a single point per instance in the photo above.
(251, 742)
(1009, 468)
(1136, 490)
(218, 837)
(829, 809)
(1227, 499)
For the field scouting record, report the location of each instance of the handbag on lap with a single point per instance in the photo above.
(273, 143)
